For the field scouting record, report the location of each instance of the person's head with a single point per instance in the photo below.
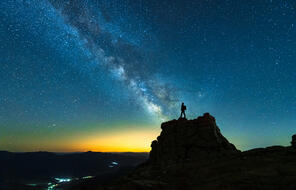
(182, 103)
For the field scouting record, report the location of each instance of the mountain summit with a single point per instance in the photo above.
(196, 139)
(193, 154)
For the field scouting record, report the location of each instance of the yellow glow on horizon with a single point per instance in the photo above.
(126, 138)
(127, 141)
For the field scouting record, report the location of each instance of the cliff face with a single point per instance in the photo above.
(184, 139)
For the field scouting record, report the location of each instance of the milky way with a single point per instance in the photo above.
(109, 48)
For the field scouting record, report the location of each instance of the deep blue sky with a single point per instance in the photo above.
(78, 75)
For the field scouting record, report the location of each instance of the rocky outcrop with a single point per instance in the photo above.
(293, 142)
(184, 139)
(193, 154)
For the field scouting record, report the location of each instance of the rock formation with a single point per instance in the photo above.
(184, 139)
(293, 142)
(193, 154)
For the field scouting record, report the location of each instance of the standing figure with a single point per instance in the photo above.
(183, 108)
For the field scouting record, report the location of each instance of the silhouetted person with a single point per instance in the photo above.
(183, 108)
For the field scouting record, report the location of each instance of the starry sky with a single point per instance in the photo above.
(101, 75)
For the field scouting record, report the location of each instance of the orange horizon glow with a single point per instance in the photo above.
(134, 141)
(129, 138)
(120, 141)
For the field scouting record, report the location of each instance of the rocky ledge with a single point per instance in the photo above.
(183, 139)
(193, 154)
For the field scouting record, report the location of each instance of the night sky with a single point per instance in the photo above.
(101, 75)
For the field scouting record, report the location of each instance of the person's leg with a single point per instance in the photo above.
(184, 115)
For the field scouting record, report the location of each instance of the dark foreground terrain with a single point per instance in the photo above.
(194, 155)
(45, 170)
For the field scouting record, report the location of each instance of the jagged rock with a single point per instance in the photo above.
(293, 142)
(184, 139)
